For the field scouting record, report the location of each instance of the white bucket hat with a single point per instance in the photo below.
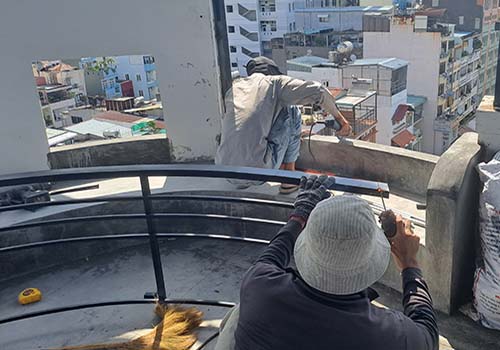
(342, 250)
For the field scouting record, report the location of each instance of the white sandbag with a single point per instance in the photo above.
(487, 283)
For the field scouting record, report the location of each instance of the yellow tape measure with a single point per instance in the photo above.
(29, 296)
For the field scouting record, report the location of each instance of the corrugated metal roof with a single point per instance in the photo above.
(308, 60)
(416, 101)
(98, 127)
(392, 63)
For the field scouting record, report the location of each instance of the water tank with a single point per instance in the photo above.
(345, 47)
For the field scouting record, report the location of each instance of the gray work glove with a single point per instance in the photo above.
(312, 191)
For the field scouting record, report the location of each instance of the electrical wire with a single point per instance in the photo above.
(309, 143)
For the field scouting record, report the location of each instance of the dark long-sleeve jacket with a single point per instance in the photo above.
(279, 311)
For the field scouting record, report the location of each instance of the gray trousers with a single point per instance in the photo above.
(226, 341)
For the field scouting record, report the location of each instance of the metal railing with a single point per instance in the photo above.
(143, 172)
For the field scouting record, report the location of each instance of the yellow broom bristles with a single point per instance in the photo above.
(174, 332)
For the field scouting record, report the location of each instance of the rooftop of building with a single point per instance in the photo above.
(392, 63)
(53, 87)
(309, 60)
(98, 128)
(416, 101)
(364, 9)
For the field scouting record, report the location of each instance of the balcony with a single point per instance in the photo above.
(360, 111)
(250, 15)
(90, 249)
(207, 233)
(253, 36)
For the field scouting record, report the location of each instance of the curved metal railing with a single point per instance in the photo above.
(143, 172)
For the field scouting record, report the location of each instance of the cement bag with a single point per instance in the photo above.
(487, 282)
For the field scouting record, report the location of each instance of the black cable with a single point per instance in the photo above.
(309, 142)
(205, 343)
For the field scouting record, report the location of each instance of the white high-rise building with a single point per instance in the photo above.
(251, 24)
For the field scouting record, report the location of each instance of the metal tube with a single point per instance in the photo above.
(129, 236)
(153, 240)
(61, 309)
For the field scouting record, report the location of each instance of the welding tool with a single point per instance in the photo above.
(387, 219)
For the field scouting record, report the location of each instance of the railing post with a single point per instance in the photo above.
(153, 239)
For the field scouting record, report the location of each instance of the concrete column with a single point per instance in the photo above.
(179, 34)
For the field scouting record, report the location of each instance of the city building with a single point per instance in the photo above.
(313, 15)
(480, 17)
(388, 77)
(101, 80)
(54, 100)
(141, 70)
(316, 68)
(252, 24)
(61, 73)
(443, 67)
(322, 29)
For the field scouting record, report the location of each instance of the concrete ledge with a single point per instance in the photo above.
(152, 149)
(404, 170)
(452, 213)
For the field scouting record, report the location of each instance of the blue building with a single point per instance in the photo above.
(141, 70)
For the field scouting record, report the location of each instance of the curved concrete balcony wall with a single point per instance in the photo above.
(448, 184)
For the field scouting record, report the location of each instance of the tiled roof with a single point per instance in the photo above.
(117, 117)
(403, 139)
(400, 114)
(337, 92)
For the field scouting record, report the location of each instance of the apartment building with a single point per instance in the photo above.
(444, 67)
(252, 24)
(480, 17)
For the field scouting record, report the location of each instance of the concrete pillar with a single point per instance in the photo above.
(179, 34)
(488, 126)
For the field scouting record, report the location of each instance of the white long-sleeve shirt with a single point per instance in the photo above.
(251, 109)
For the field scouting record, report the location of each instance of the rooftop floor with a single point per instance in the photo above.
(193, 269)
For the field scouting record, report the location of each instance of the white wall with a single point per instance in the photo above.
(422, 51)
(386, 106)
(375, 2)
(187, 66)
(332, 75)
(238, 40)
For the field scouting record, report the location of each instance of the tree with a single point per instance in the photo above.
(106, 65)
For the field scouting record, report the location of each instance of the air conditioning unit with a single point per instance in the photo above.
(111, 134)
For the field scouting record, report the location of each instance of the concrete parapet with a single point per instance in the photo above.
(152, 149)
(452, 212)
(404, 170)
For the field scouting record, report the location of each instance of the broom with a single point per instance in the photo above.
(174, 332)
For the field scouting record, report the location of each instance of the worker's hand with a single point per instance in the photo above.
(312, 191)
(405, 245)
(345, 131)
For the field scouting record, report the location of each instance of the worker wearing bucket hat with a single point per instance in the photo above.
(325, 303)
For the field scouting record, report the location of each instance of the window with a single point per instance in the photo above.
(127, 77)
(76, 120)
(234, 64)
(294, 27)
(435, 3)
(290, 27)
(325, 83)
(477, 24)
(232, 49)
(323, 18)
(141, 93)
(327, 3)
(461, 20)
(229, 8)
(149, 60)
(289, 7)
(322, 3)
(138, 77)
(230, 29)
